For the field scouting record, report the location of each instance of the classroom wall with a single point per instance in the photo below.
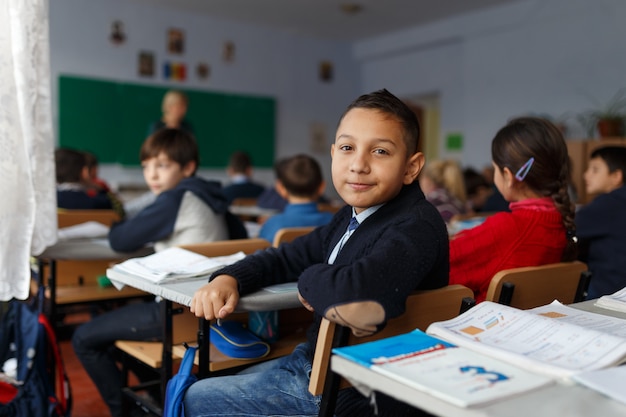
(267, 63)
(554, 57)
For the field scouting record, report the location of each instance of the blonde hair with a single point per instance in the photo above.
(447, 174)
(173, 96)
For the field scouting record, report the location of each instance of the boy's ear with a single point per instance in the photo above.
(189, 169)
(281, 190)
(414, 167)
(617, 178)
(84, 174)
(321, 189)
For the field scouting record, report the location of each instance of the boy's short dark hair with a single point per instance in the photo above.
(240, 161)
(301, 175)
(176, 144)
(614, 156)
(69, 165)
(384, 101)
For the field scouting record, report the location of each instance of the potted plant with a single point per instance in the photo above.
(607, 119)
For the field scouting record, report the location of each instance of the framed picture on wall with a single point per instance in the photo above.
(176, 41)
(326, 71)
(146, 64)
(203, 70)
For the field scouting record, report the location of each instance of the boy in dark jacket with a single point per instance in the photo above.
(357, 271)
(601, 224)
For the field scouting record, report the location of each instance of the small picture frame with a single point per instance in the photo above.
(176, 41)
(228, 53)
(203, 70)
(146, 64)
(117, 36)
(326, 71)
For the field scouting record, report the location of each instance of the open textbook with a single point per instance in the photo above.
(451, 373)
(175, 264)
(553, 339)
(615, 301)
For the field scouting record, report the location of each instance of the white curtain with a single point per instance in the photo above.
(27, 179)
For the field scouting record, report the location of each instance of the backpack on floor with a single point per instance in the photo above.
(33, 381)
(178, 384)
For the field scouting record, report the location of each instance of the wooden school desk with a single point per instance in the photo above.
(282, 297)
(81, 250)
(560, 399)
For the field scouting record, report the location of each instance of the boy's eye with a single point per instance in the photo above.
(345, 147)
(381, 152)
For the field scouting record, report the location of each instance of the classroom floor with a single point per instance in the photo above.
(85, 397)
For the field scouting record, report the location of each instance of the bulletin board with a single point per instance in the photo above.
(111, 120)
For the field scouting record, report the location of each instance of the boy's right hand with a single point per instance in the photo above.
(217, 299)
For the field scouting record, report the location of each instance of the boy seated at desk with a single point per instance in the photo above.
(601, 224)
(240, 173)
(72, 175)
(299, 181)
(357, 270)
(187, 209)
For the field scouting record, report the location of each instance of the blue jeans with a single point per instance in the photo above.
(94, 344)
(274, 388)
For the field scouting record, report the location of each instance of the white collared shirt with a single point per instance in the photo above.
(360, 218)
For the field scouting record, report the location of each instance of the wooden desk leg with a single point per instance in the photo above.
(166, 315)
(204, 339)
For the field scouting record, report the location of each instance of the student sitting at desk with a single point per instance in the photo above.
(601, 224)
(187, 210)
(532, 173)
(358, 270)
(300, 182)
(72, 176)
(240, 172)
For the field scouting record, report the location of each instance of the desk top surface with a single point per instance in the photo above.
(88, 250)
(561, 399)
(278, 297)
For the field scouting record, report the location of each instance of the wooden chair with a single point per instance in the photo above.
(287, 234)
(161, 355)
(533, 286)
(422, 309)
(67, 218)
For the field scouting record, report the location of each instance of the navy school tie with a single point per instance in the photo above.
(354, 223)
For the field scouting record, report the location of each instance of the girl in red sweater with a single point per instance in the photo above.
(531, 171)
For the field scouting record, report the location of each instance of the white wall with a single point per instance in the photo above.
(267, 62)
(535, 56)
(550, 57)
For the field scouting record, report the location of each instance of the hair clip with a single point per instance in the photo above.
(523, 171)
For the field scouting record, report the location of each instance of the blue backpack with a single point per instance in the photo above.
(178, 384)
(34, 383)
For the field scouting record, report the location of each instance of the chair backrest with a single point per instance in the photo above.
(228, 247)
(66, 218)
(244, 201)
(533, 286)
(287, 234)
(422, 309)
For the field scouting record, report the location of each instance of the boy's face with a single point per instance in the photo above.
(598, 179)
(162, 174)
(370, 162)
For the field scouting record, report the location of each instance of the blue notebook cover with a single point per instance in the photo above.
(451, 373)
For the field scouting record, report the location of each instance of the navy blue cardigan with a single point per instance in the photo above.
(401, 247)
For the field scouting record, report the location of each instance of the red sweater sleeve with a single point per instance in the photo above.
(476, 254)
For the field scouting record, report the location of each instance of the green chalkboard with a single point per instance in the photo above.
(111, 120)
